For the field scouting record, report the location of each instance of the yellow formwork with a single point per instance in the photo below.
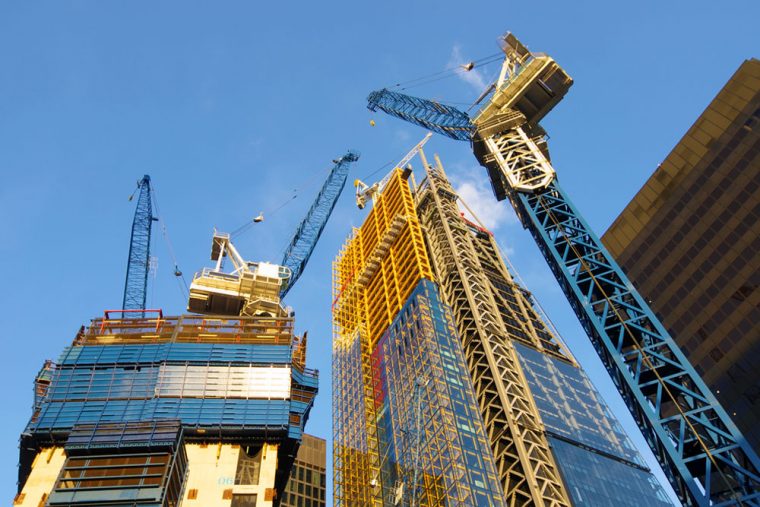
(380, 264)
(374, 273)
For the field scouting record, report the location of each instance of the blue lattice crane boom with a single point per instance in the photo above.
(138, 261)
(310, 229)
(256, 287)
(701, 451)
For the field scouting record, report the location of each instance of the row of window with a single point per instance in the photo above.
(107, 479)
(175, 352)
(206, 412)
(696, 187)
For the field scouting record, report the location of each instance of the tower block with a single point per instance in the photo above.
(407, 430)
(203, 410)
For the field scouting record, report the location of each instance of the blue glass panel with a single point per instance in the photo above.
(571, 407)
(586, 431)
(204, 412)
(421, 345)
(184, 352)
(595, 480)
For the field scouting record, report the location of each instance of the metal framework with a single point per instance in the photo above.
(528, 473)
(431, 115)
(401, 409)
(703, 454)
(136, 284)
(310, 229)
(369, 289)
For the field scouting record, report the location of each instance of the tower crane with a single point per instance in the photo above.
(310, 229)
(254, 288)
(701, 451)
(138, 261)
(364, 191)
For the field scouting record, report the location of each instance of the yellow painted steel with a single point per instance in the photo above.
(380, 264)
(375, 272)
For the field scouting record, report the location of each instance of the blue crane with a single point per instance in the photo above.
(701, 451)
(136, 284)
(215, 292)
(310, 229)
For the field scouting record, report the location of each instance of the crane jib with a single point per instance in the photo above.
(705, 457)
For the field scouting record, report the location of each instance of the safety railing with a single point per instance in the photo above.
(187, 328)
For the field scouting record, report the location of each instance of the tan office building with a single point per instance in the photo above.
(690, 242)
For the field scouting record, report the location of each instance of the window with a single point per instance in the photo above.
(239, 500)
(110, 478)
(248, 467)
(116, 471)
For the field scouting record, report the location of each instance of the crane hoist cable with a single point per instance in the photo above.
(181, 281)
(455, 72)
(452, 70)
(268, 213)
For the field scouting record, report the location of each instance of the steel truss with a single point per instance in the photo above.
(310, 229)
(136, 284)
(524, 462)
(703, 454)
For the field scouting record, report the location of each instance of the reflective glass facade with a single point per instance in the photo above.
(420, 374)
(597, 460)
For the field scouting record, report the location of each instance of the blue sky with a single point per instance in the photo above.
(233, 108)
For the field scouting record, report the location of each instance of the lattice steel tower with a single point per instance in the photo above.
(701, 451)
(543, 418)
(527, 469)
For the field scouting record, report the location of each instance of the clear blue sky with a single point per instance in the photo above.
(232, 107)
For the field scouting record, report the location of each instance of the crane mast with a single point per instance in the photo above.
(701, 451)
(136, 284)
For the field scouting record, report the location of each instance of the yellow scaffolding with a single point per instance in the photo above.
(374, 273)
(380, 264)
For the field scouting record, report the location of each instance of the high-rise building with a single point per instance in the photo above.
(551, 433)
(308, 478)
(407, 430)
(689, 242)
(144, 409)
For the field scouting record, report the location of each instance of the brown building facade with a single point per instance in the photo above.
(690, 242)
(307, 484)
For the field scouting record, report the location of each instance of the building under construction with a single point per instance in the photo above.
(407, 430)
(552, 435)
(145, 409)
(701, 451)
(549, 434)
